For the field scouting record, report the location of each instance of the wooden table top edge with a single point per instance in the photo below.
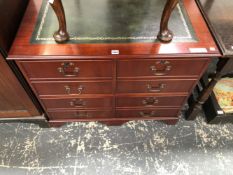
(22, 47)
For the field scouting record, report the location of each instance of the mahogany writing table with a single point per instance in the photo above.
(112, 82)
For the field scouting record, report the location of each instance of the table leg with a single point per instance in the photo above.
(223, 67)
(61, 35)
(166, 35)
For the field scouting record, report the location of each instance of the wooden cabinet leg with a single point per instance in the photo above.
(166, 35)
(56, 124)
(61, 35)
(114, 122)
(170, 122)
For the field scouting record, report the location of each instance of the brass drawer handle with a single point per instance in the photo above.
(81, 114)
(77, 103)
(164, 70)
(157, 88)
(67, 89)
(79, 89)
(147, 114)
(67, 71)
(150, 101)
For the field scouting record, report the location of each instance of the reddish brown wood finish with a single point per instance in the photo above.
(112, 120)
(165, 34)
(170, 122)
(51, 88)
(14, 102)
(152, 68)
(156, 86)
(118, 83)
(90, 69)
(147, 113)
(23, 49)
(114, 123)
(79, 114)
(150, 101)
(82, 103)
(123, 113)
(61, 35)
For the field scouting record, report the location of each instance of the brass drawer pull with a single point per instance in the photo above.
(147, 114)
(77, 103)
(68, 70)
(150, 101)
(161, 68)
(81, 114)
(157, 88)
(79, 89)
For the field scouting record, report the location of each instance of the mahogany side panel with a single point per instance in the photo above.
(14, 102)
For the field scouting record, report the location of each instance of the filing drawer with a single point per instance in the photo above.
(147, 113)
(80, 114)
(161, 67)
(78, 103)
(72, 87)
(150, 101)
(155, 86)
(88, 69)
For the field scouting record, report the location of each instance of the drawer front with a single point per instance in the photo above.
(67, 69)
(78, 103)
(150, 101)
(146, 113)
(72, 88)
(161, 67)
(79, 114)
(155, 86)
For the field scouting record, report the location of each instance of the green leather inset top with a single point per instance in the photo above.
(112, 21)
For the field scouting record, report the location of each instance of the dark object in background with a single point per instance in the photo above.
(219, 17)
(11, 14)
(14, 101)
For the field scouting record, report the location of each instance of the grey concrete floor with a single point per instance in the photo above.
(135, 148)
